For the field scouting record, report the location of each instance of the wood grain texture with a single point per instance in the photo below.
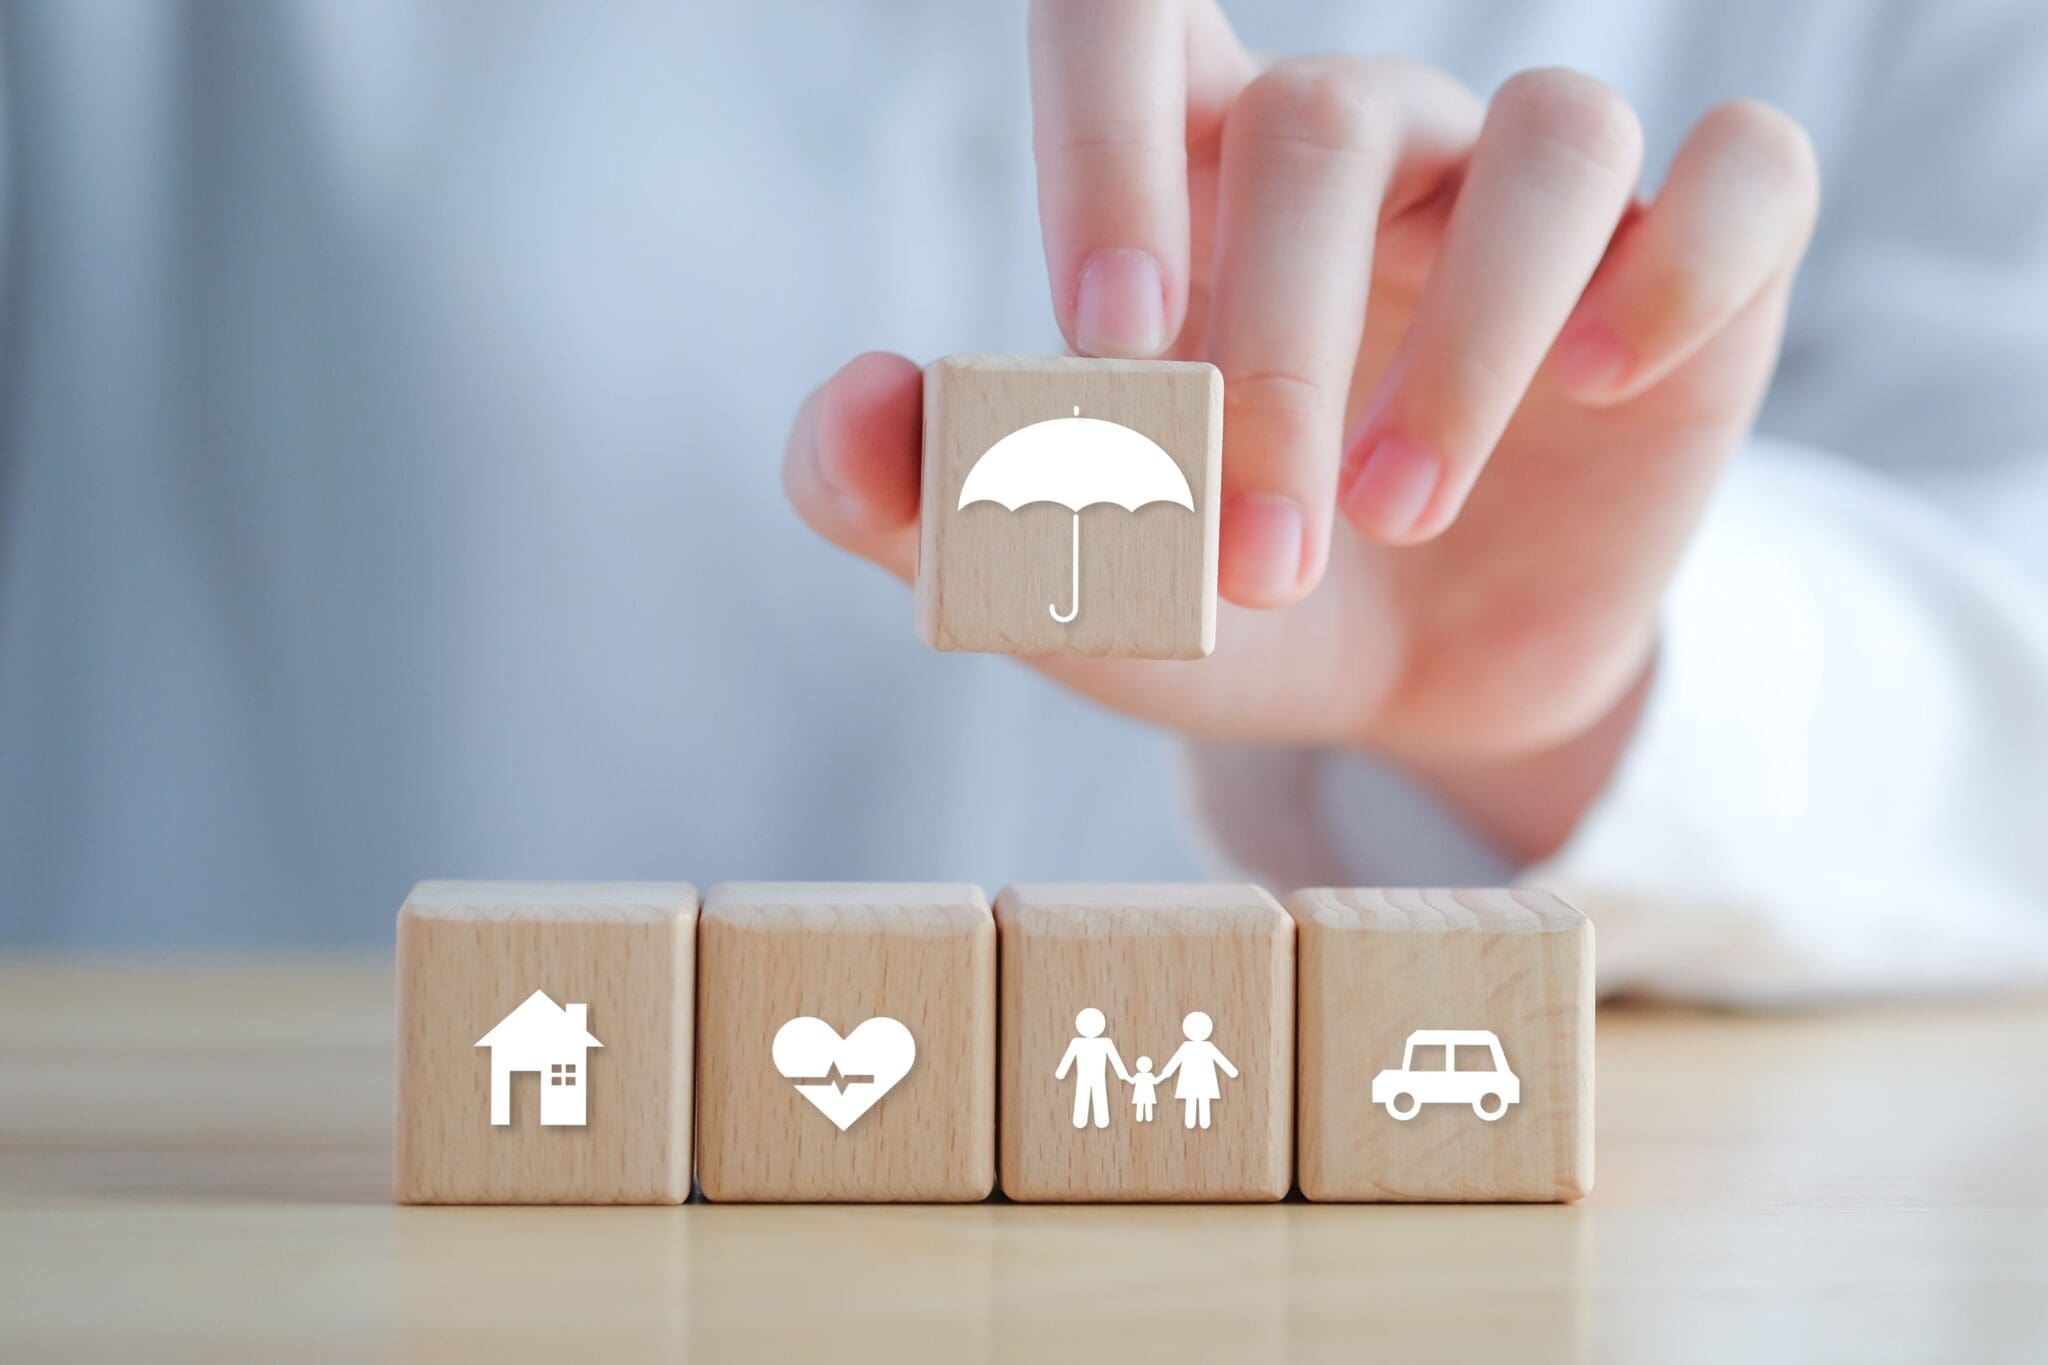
(1146, 956)
(986, 575)
(205, 1175)
(1378, 965)
(468, 954)
(924, 955)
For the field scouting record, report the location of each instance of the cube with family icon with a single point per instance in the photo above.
(846, 1042)
(544, 1043)
(1147, 1043)
(1070, 506)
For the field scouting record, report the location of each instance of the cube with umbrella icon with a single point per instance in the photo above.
(1019, 452)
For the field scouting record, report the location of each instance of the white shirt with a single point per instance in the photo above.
(387, 484)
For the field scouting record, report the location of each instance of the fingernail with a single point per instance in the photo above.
(1261, 548)
(1121, 310)
(1591, 363)
(1389, 488)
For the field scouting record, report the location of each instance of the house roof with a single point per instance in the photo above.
(538, 1017)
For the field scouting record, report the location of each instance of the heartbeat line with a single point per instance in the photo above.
(837, 1079)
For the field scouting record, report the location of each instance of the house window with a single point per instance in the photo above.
(562, 1073)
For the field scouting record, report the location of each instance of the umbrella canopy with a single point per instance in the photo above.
(1076, 462)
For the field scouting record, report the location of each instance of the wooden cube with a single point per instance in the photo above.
(1070, 506)
(1116, 995)
(1412, 1002)
(846, 1042)
(544, 1043)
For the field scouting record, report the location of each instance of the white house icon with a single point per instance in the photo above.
(550, 1039)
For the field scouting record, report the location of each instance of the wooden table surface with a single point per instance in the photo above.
(194, 1164)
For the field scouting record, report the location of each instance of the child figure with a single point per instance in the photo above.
(1144, 1089)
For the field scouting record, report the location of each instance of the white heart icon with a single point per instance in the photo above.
(843, 1077)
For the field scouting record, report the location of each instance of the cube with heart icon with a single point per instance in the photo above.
(846, 1042)
(1147, 1043)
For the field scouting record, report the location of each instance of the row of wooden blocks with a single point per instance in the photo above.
(572, 1043)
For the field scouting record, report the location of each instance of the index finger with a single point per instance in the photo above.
(1109, 119)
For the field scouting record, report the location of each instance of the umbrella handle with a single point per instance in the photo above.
(1074, 589)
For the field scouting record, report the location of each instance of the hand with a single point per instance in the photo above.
(1447, 322)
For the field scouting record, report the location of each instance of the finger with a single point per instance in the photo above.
(1549, 179)
(1313, 151)
(851, 468)
(1109, 111)
(1734, 214)
(1219, 69)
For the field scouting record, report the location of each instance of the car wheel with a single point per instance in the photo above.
(1494, 1098)
(1398, 1099)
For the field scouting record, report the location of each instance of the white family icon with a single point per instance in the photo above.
(1192, 1067)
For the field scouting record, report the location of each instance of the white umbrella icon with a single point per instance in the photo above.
(1076, 462)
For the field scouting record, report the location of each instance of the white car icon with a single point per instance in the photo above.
(1489, 1088)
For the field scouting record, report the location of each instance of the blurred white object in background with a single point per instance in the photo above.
(393, 398)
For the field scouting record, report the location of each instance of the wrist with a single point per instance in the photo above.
(1527, 805)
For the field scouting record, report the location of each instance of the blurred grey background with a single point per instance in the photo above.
(393, 401)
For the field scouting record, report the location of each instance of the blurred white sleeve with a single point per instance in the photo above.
(1839, 784)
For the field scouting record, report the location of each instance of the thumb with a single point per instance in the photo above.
(852, 465)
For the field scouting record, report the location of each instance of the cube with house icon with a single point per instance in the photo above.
(1070, 506)
(1446, 1045)
(545, 1043)
(1147, 1043)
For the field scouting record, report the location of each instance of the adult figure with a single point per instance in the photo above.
(1196, 1060)
(1089, 1056)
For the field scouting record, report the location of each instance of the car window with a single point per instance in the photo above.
(1471, 1058)
(1426, 1057)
